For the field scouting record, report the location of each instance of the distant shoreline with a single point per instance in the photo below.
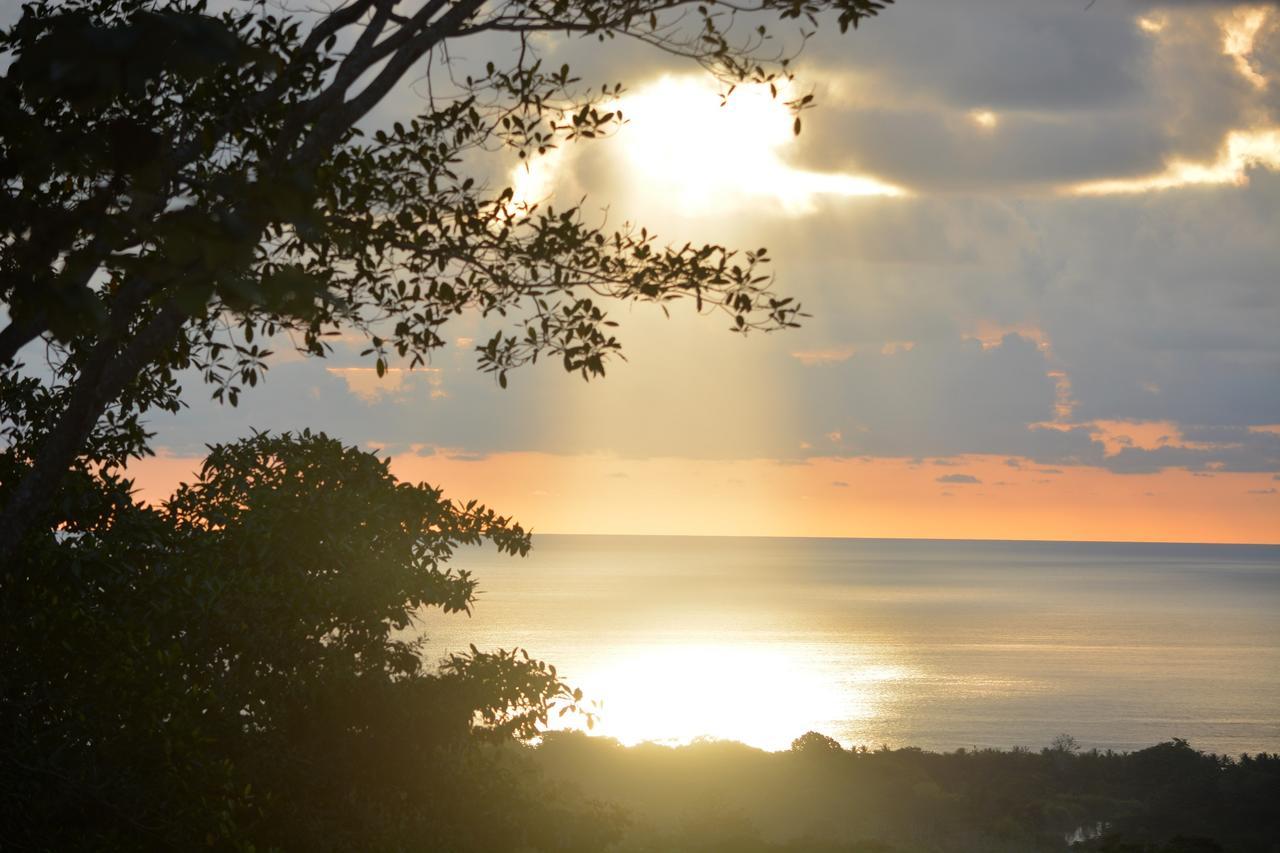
(868, 749)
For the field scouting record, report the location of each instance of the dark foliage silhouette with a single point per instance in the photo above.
(720, 796)
(231, 667)
(186, 188)
(236, 669)
(181, 186)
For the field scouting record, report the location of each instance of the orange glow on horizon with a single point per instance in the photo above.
(827, 497)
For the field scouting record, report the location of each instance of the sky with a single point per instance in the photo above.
(1040, 244)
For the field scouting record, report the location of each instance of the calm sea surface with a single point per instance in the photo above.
(938, 644)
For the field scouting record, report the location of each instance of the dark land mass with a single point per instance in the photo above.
(819, 798)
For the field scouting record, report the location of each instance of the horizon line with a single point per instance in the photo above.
(1275, 544)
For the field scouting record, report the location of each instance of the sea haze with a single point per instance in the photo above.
(937, 644)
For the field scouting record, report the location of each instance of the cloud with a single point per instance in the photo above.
(1242, 151)
(940, 151)
(465, 456)
(943, 399)
(1251, 453)
(958, 478)
(962, 53)
(932, 315)
(829, 355)
(702, 151)
(957, 97)
(366, 384)
(940, 401)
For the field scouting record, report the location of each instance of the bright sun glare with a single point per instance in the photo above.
(683, 141)
(763, 695)
(703, 155)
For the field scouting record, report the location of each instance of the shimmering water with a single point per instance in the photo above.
(900, 642)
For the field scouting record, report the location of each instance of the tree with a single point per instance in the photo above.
(182, 190)
(180, 185)
(232, 667)
(816, 743)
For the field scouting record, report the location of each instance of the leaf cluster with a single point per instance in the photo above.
(161, 161)
(247, 657)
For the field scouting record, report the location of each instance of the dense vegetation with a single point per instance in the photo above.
(187, 185)
(235, 668)
(232, 668)
(818, 798)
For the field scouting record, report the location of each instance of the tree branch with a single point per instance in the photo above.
(107, 374)
(19, 333)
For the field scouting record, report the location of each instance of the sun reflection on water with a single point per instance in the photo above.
(764, 695)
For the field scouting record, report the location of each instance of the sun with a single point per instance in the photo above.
(680, 139)
(706, 153)
(686, 148)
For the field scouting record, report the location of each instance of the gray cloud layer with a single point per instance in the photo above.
(1159, 306)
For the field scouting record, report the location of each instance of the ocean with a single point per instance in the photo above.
(935, 644)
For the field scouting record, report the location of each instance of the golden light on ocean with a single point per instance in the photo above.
(763, 695)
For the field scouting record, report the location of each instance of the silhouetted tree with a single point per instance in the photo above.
(180, 188)
(235, 666)
(815, 743)
(179, 185)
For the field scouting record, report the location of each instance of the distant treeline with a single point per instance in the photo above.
(820, 798)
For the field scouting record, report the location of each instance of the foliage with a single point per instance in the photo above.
(233, 666)
(184, 188)
(710, 796)
(815, 743)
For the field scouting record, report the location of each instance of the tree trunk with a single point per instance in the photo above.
(110, 370)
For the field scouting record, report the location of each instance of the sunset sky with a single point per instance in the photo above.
(1041, 246)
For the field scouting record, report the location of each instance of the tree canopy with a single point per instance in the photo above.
(237, 665)
(186, 188)
(182, 186)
